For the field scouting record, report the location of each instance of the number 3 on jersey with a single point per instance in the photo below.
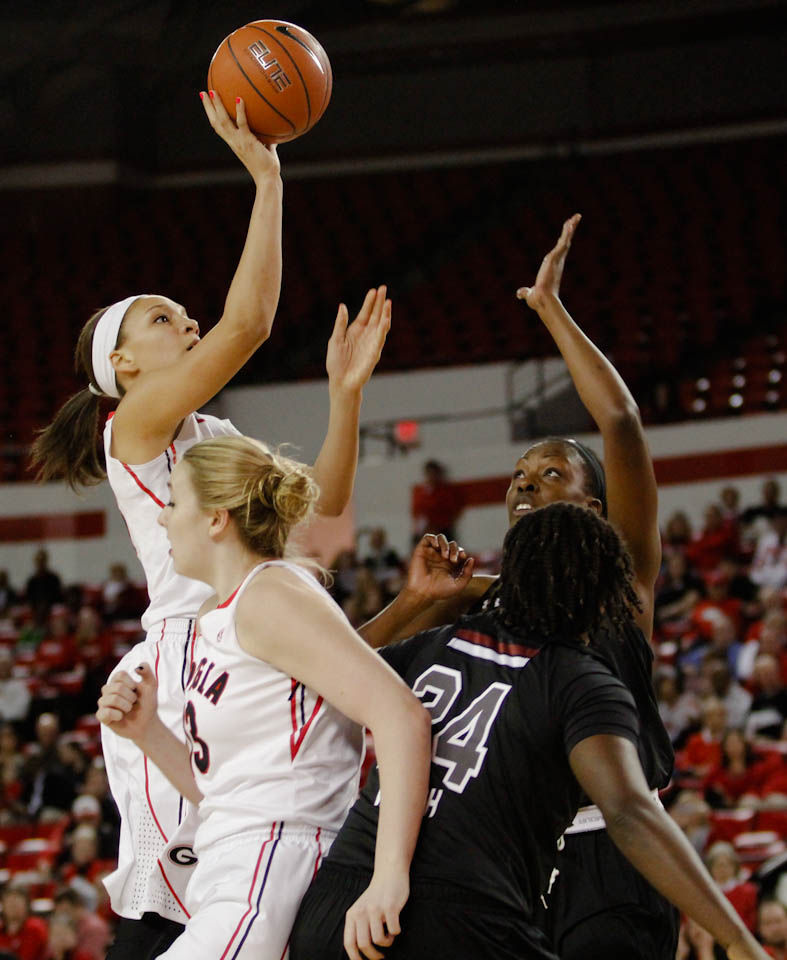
(460, 746)
(198, 749)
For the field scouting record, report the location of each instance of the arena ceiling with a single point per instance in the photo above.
(117, 80)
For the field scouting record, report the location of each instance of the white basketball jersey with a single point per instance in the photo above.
(141, 494)
(264, 747)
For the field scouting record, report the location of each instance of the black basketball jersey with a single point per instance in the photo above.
(630, 657)
(506, 712)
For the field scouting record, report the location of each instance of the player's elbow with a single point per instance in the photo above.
(625, 418)
(404, 720)
(416, 717)
(253, 323)
(330, 505)
(628, 816)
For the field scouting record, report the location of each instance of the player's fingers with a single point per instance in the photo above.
(467, 570)
(118, 701)
(384, 324)
(121, 681)
(366, 308)
(522, 293)
(207, 106)
(109, 715)
(442, 545)
(379, 303)
(372, 308)
(377, 930)
(342, 319)
(453, 551)
(566, 234)
(351, 938)
(240, 114)
(392, 923)
(362, 933)
(365, 944)
(221, 111)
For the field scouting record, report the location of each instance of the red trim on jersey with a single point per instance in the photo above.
(142, 486)
(110, 415)
(171, 890)
(147, 781)
(251, 891)
(484, 640)
(295, 744)
(319, 852)
(229, 599)
(293, 708)
(174, 455)
(200, 419)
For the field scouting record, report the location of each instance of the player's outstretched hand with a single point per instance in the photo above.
(355, 348)
(373, 920)
(128, 704)
(260, 159)
(550, 273)
(439, 568)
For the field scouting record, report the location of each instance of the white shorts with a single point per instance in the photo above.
(151, 809)
(245, 892)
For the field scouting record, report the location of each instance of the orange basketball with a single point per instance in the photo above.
(281, 72)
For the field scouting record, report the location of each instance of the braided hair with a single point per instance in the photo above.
(564, 569)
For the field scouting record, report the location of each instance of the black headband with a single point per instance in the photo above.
(596, 471)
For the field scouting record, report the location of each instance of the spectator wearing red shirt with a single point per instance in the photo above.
(717, 541)
(436, 504)
(725, 868)
(82, 853)
(20, 933)
(772, 917)
(741, 773)
(717, 602)
(703, 749)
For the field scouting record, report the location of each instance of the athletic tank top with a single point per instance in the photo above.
(263, 746)
(141, 494)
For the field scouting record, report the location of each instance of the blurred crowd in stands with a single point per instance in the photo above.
(720, 673)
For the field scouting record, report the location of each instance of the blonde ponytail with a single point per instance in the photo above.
(265, 493)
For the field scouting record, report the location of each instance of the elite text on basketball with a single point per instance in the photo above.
(270, 65)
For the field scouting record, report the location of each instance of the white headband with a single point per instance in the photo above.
(105, 337)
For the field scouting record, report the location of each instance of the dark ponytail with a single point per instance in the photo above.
(69, 449)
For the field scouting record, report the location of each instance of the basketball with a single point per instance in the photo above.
(280, 71)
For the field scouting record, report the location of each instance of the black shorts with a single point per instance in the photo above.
(438, 921)
(600, 905)
(143, 939)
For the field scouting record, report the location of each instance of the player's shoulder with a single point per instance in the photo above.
(283, 590)
(572, 664)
